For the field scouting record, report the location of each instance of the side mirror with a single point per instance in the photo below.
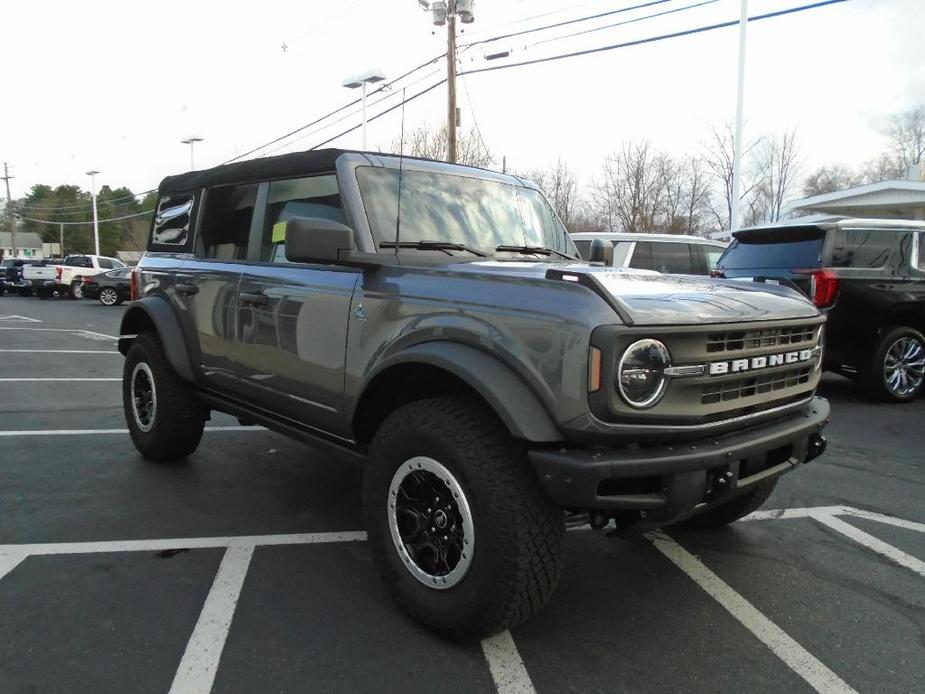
(317, 240)
(601, 252)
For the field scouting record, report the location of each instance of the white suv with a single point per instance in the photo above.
(669, 253)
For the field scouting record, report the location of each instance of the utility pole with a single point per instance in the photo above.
(445, 12)
(737, 142)
(96, 224)
(61, 239)
(9, 208)
(451, 83)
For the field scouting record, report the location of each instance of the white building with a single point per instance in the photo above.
(28, 245)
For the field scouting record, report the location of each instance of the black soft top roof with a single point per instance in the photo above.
(265, 168)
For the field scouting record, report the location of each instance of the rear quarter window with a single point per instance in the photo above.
(172, 227)
(867, 249)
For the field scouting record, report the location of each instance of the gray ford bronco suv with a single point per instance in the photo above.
(435, 322)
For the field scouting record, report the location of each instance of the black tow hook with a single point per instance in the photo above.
(816, 447)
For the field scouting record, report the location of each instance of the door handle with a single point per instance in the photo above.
(186, 289)
(253, 298)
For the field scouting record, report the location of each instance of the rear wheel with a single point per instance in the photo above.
(76, 290)
(109, 296)
(460, 527)
(164, 418)
(734, 509)
(897, 370)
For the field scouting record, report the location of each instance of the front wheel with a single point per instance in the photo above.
(897, 370)
(459, 525)
(108, 296)
(164, 418)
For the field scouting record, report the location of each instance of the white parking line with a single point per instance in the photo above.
(801, 661)
(880, 518)
(61, 351)
(55, 380)
(872, 543)
(507, 668)
(199, 664)
(101, 432)
(83, 333)
(19, 319)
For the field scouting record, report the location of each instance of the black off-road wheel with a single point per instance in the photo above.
(460, 527)
(896, 372)
(164, 418)
(734, 509)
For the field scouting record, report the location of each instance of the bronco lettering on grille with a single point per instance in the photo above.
(718, 368)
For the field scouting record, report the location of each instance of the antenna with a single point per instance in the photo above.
(401, 159)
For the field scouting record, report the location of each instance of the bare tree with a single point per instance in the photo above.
(431, 143)
(718, 157)
(629, 195)
(695, 201)
(776, 162)
(907, 136)
(828, 179)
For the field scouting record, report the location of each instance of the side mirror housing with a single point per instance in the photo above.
(601, 252)
(317, 240)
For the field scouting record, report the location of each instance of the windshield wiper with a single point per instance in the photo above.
(534, 250)
(433, 245)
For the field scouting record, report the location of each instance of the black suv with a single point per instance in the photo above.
(436, 322)
(868, 275)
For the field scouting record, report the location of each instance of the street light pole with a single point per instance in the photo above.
(191, 140)
(96, 224)
(737, 142)
(368, 77)
(451, 83)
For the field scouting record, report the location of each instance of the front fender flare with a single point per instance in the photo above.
(153, 310)
(508, 395)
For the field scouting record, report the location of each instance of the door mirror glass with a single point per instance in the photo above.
(314, 239)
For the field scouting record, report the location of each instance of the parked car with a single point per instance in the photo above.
(74, 268)
(12, 277)
(494, 385)
(868, 275)
(669, 253)
(109, 288)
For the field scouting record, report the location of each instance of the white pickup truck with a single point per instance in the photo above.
(67, 276)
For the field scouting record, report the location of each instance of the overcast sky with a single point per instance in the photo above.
(116, 86)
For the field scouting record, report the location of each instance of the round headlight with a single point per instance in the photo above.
(641, 373)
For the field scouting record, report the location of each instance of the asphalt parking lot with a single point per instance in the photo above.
(244, 569)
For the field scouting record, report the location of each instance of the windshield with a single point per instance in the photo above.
(479, 213)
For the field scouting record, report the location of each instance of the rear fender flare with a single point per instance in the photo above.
(157, 312)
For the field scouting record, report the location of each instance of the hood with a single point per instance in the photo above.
(644, 297)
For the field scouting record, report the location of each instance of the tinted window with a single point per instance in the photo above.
(758, 253)
(227, 221)
(664, 257)
(865, 249)
(172, 220)
(104, 263)
(712, 254)
(584, 248)
(317, 196)
(78, 261)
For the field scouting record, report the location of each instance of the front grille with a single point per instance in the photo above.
(755, 385)
(738, 340)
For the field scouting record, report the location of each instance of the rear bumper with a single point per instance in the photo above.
(671, 481)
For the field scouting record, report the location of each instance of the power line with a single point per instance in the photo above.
(653, 39)
(101, 221)
(568, 22)
(625, 22)
(87, 205)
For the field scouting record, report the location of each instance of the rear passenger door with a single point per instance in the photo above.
(206, 285)
(292, 318)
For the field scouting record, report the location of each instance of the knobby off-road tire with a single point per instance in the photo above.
(899, 349)
(734, 509)
(164, 418)
(511, 548)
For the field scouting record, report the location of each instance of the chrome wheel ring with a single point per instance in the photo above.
(143, 396)
(431, 523)
(108, 297)
(904, 366)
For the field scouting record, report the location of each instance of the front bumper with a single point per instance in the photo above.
(669, 482)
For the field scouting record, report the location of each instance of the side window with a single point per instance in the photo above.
(920, 260)
(674, 258)
(642, 256)
(226, 222)
(173, 214)
(315, 196)
(104, 263)
(861, 248)
(584, 248)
